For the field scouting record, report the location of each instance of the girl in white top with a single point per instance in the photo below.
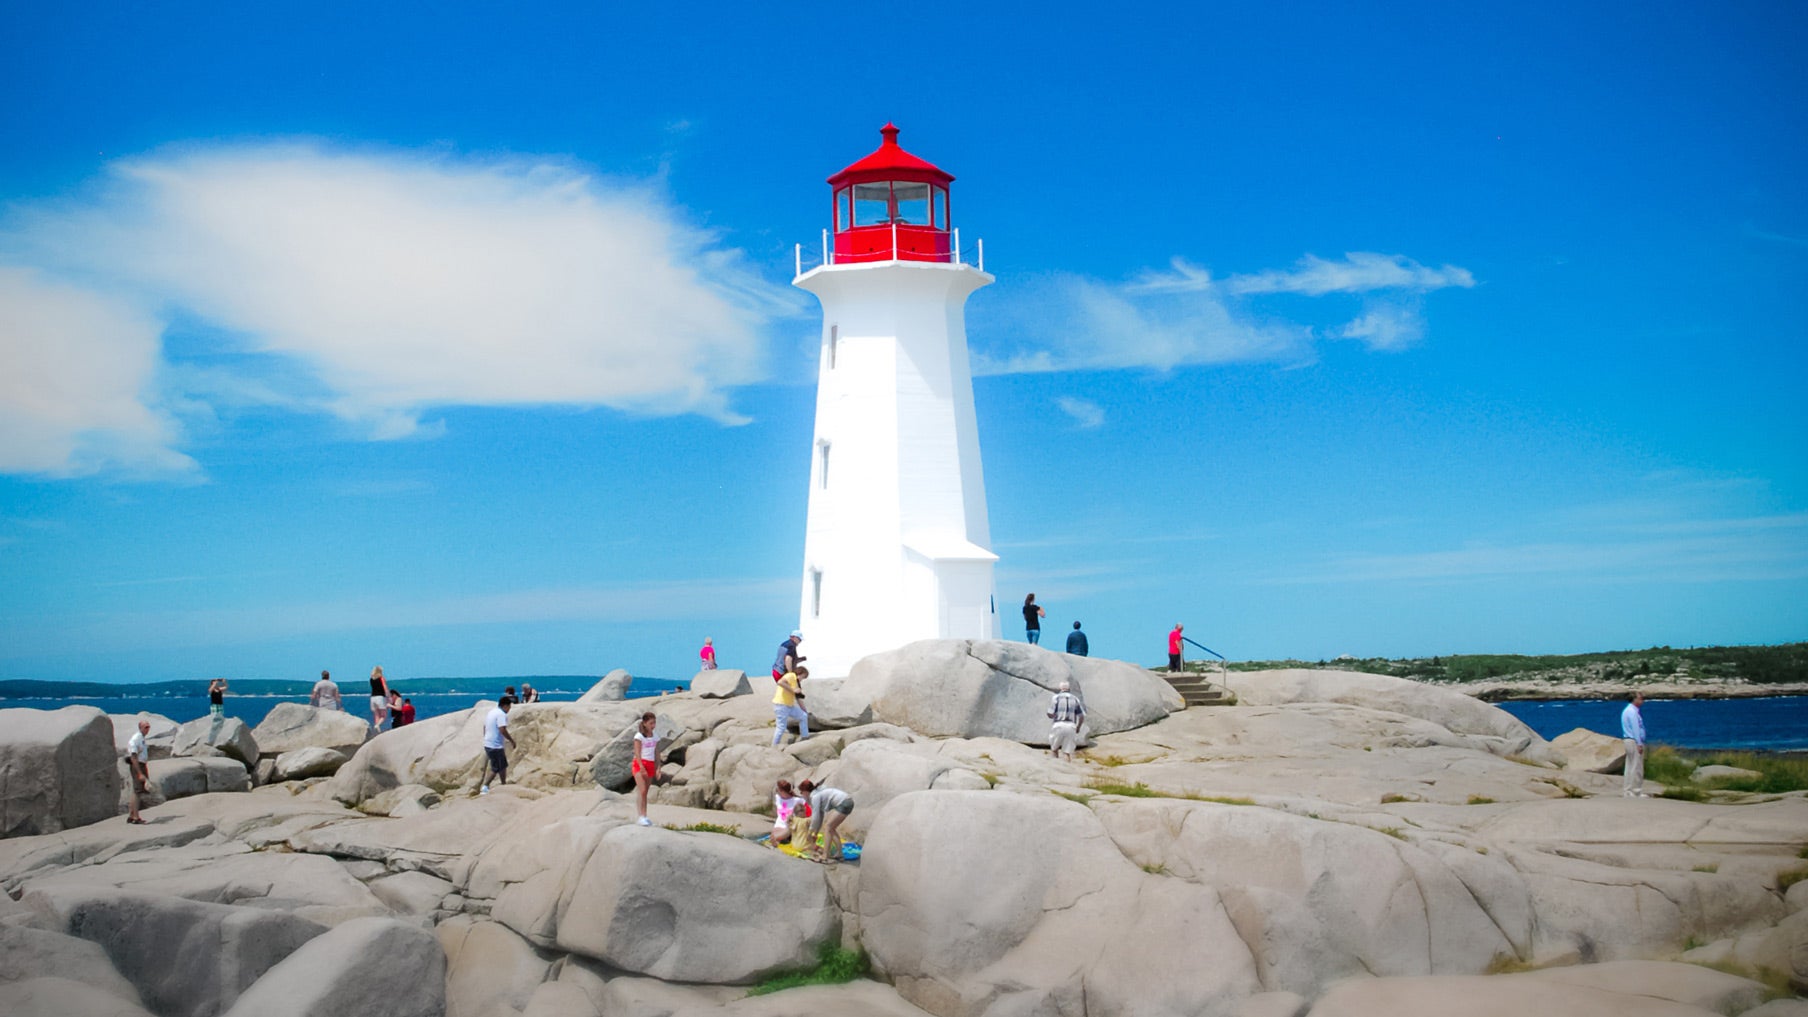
(646, 764)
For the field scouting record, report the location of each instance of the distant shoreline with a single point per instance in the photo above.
(1496, 691)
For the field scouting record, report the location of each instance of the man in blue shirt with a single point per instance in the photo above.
(1632, 729)
(1076, 641)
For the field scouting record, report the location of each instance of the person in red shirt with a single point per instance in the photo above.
(1174, 639)
(407, 713)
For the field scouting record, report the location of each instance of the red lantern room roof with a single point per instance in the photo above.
(890, 163)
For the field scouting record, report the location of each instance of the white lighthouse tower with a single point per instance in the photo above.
(896, 546)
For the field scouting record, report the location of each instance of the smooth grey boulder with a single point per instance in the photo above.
(686, 907)
(158, 742)
(1591, 751)
(414, 893)
(300, 764)
(611, 767)
(181, 777)
(36, 953)
(1030, 908)
(969, 688)
(441, 753)
(489, 969)
(721, 683)
(407, 800)
(371, 967)
(1653, 989)
(58, 770)
(186, 958)
(1713, 774)
(612, 688)
(831, 705)
(63, 996)
(292, 726)
(205, 736)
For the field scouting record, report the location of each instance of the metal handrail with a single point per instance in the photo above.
(1223, 671)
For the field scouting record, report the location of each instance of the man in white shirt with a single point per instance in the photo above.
(1067, 713)
(495, 730)
(138, 760)
(1632, 729)
(326, 693)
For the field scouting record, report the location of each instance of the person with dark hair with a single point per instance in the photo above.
(216, 697)
(1032, 619)
(326, 694)
(406, 714)
(646, 764)
(834, 804)
(495, 732)
(1632, 729)
(788, 809)
(1076, 642)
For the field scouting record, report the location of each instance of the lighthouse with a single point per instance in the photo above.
(896, 543)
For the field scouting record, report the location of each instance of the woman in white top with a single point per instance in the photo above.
(788, 809)
(834, 804)
(646, 765)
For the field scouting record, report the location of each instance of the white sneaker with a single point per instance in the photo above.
(484, 790)
(644, 821)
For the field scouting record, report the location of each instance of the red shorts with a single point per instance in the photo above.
(646, 766)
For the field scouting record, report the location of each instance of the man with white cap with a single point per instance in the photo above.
(788, 657)
(1068, 713)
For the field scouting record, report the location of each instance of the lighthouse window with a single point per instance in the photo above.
(815, 593)
(822, 472)
(939, 207)
(834, 341)
(872, 204)
(844, 208)
(912, 202)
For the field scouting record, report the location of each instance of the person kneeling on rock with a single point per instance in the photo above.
(788, 813)
(835, 805)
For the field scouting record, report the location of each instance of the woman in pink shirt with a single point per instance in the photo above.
(1174, 638)
(708, 653)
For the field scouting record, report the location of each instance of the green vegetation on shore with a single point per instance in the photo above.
(1761, 665)
(833, 967)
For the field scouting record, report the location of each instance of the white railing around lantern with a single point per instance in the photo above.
(956, 256)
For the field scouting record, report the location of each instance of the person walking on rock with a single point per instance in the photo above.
(1076, 642)
(379, 698)
(1032, 619)
(646, 765)
(834, 804)
(788, 657)
(1174, 652)
(1632, 729)
(784, 705)
(326, 694)
(495, 732)
(1067, 714)
(708, 654)
(138, 761)
(216, 697)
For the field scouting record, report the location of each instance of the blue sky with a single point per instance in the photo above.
(460, 339)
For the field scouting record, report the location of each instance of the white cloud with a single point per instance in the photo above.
(398, 282)
(1183, 315)
(1085, 413)
(1358, 272)
(77, 374)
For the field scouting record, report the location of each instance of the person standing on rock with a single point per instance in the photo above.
(823, 802)
(216, 697)
(529, 694)
(138, 762)
(646, 765)
(1175, 663)
(708, 654)
(784, 705)
(495, 732)
(1076, 642)
(1632, 729)
(405, 713)
(788, 657)
(379, 698)
(395, 709)
(1067, 713)
(326, 694)
(1032, 619)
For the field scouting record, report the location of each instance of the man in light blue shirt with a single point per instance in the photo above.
(1632, 729)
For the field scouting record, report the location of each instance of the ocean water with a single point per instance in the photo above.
(1769, 724)
(253, 709)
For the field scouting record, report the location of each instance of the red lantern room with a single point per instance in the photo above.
(889, 206)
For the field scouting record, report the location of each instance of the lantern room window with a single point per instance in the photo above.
(872, 204)
(911, 202)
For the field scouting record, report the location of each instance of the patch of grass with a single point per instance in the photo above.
(1684, 793)
(1392, 831)
(1389, 799)
(834, 966)
(1709, 867)
(1106, 760)
(1569, 790)
(1776, 774)
(990, 777)
(1663, 765)
(1507, 964)
(1156, 869)
(708, 828)
(1785, 880)
(1368, 748)
(1776, 983)
(1481, 849)
(1803, 853)
(1221, 799)
(1136, 790)
(1480, 800)
(1082, 799)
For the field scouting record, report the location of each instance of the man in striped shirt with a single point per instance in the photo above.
(1068, 713)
